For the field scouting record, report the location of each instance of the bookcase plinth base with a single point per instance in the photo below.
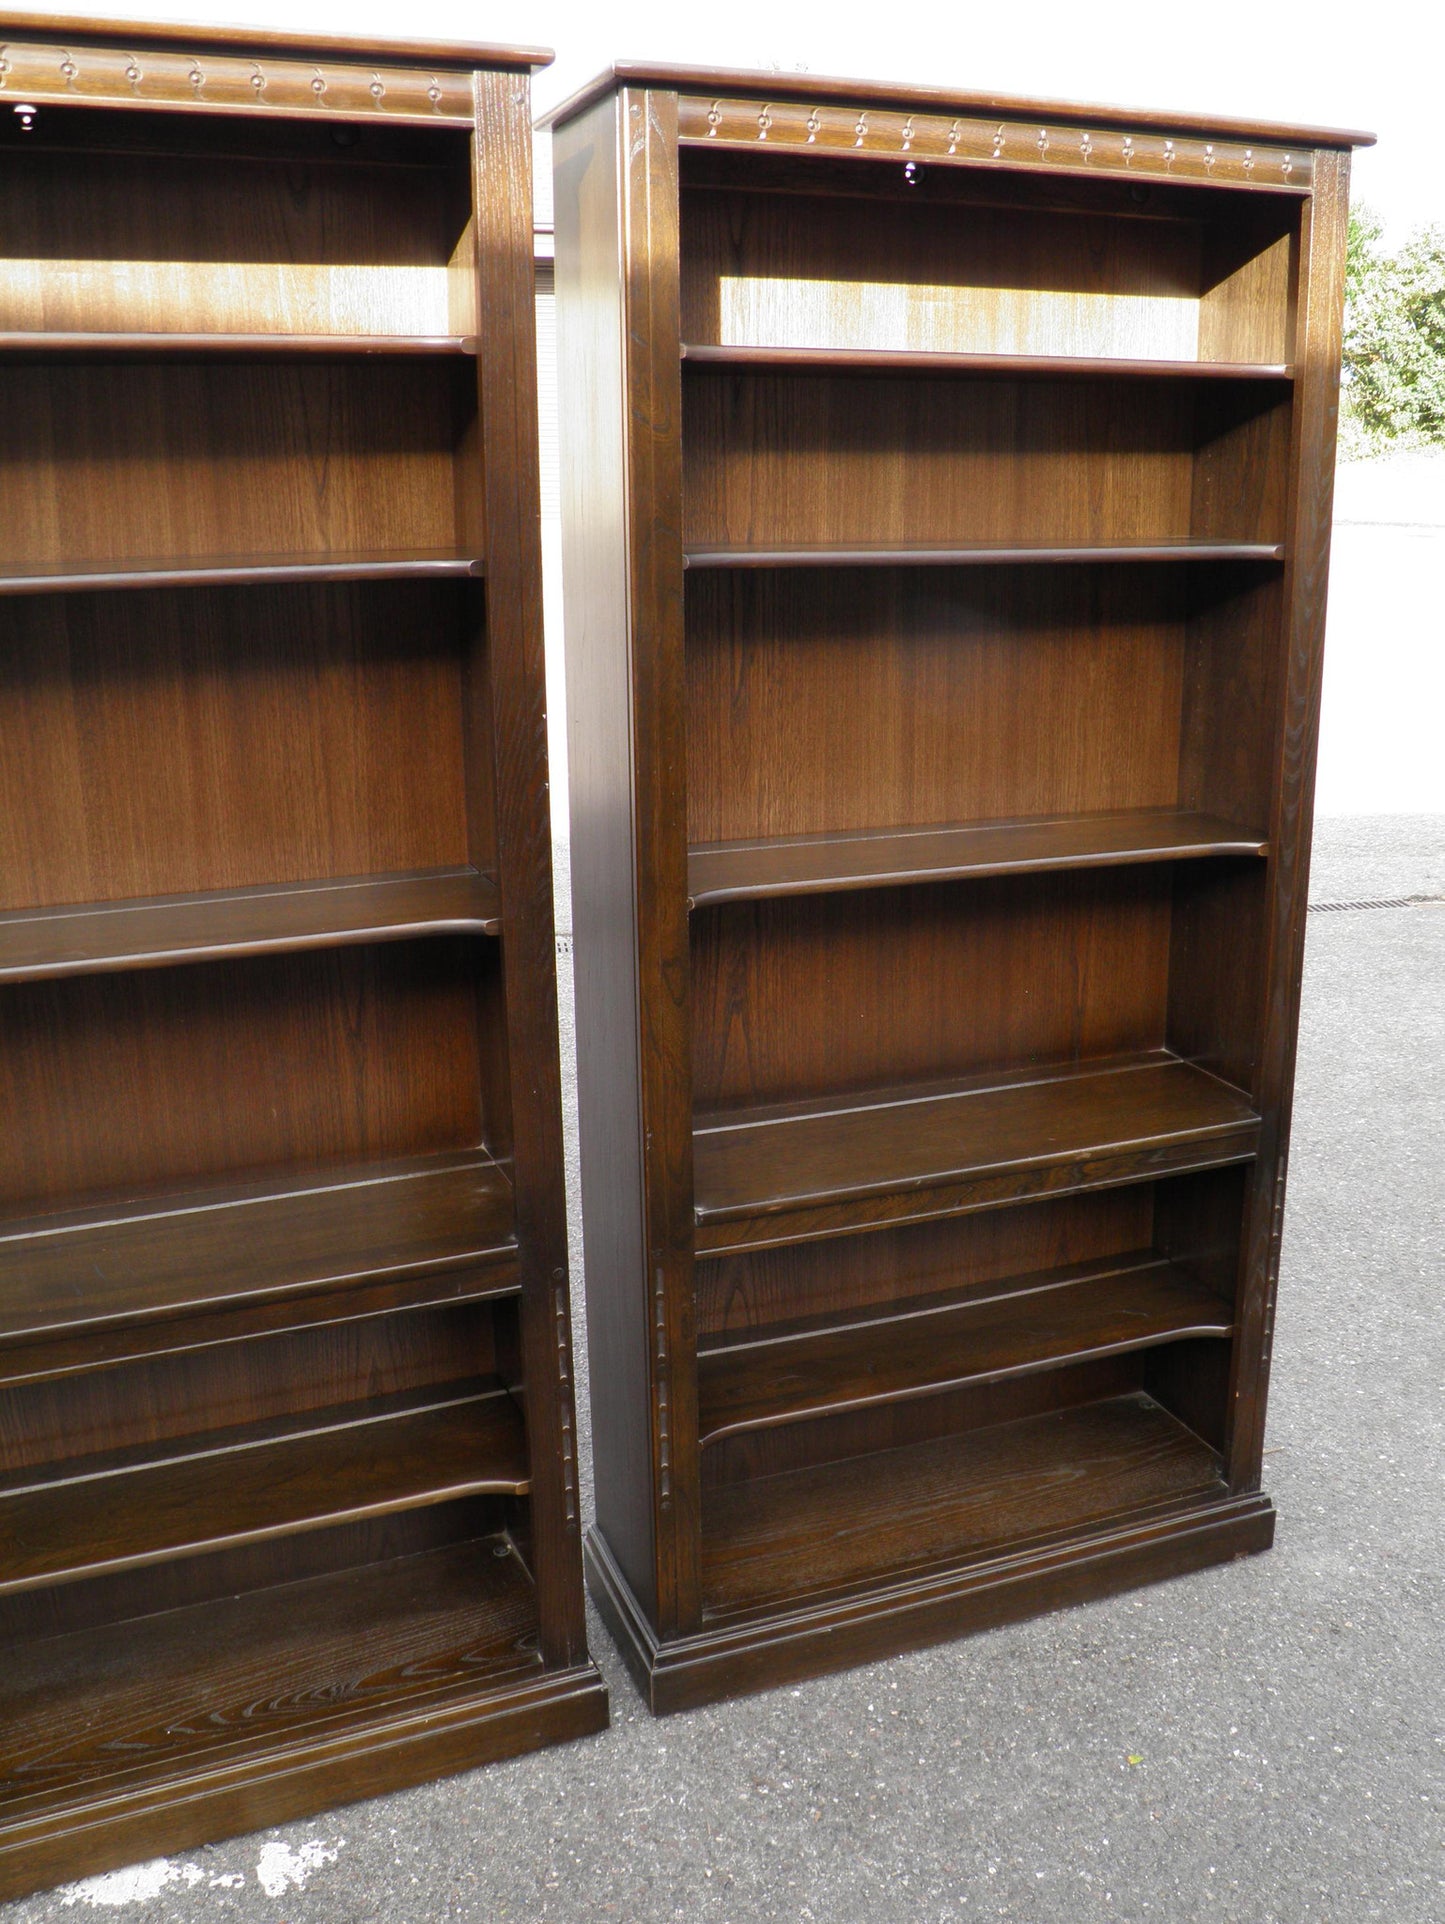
(281, 1786)
(763, 1652)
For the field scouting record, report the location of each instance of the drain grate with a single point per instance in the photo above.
(1396, 902)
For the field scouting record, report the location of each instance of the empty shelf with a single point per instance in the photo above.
(854, 360)
(242, 1247)
(211, 571)
(915, 1348)
(224, 1488)
(904, 554)
(819, 864)
(110, 1709)
(788, 1172)
(106, 936)
(39, 346)
(959, 1498)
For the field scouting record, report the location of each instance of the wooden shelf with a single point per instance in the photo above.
(787, 1374)
(844, 360)
(212, 571)
(976, 554)
(102, 937)
(779, 1174)
(883, 858)
(282, 1251)
(223, 1488)
(954, 1499)
(121, 1705)
(180, 347)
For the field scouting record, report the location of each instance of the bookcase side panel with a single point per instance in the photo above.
(654, 429)
(1319, 308)
(507, 387)
(592, 380)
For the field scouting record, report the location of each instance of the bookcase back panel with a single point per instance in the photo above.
(1232, 672)
(159, 743)
(948, 1315)
(352, 234)
(779, 458)
(939, 264)
(1217, 968)
(131, 463)
(1021, 1474)
(848, 1274)
(921, 696)
(171, 1397)
(125, 1596)
(839, 1440)
(954, 979)
(167, 1076)
(788, 458)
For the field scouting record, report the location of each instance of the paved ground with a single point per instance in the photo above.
(1263, 1744)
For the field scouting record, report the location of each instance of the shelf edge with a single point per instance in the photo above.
(910, 361)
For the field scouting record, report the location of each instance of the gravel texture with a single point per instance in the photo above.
(1262, 1743)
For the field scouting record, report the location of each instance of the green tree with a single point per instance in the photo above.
(1394, 356)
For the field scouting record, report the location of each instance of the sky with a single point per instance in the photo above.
(1376, 68)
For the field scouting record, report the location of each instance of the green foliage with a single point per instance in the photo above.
(1394, 364)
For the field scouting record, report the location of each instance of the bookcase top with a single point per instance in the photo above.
(83, 30)
(936, 100)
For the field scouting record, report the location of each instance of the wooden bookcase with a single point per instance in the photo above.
(947, 509)
(288, 1489)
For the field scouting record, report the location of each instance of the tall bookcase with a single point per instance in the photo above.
(288, 1489)
(947, 507)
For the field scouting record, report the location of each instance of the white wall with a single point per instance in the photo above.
(1382, 730)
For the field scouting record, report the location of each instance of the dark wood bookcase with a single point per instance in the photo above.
(288, 1487)
(947, 497)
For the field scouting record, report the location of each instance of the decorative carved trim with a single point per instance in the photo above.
(662, 1388)
(969, 142)
(231, 83)
(562, 1319)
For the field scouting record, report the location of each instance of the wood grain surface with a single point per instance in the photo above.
(333, 1057)
(116, 465)
(843, 273)
(674, 76)
(593, 383)
(899, 1153)
(826, 863)
(1014, 367)
(953, 463)
(922, 1347)
(959, 978)
(152, 933)
(230, 244)
(305, 734)
(158, 1696)
(862, 1275)
(123, 1509)
(930, 697)
(200, 1250)
(956, 1498)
